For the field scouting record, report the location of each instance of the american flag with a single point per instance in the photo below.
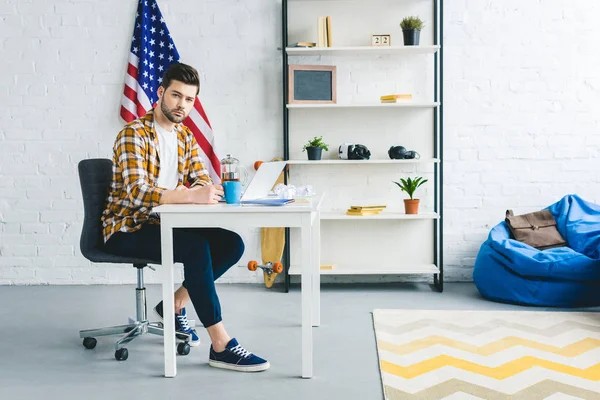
(152, 51)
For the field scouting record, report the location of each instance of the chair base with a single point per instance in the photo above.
(135, 328)
(129, 332)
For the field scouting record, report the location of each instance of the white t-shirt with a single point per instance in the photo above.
(168, 177)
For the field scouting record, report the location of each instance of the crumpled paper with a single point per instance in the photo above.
(292, 192)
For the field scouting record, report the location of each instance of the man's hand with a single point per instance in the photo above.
(210, 194)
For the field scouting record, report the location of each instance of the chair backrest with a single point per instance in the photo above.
(95, 176)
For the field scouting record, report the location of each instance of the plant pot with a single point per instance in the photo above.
(314, 153)
(411, 37)
(411, 206)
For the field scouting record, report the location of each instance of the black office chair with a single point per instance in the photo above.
(95, 176)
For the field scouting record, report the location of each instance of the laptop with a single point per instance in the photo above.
(261, 184)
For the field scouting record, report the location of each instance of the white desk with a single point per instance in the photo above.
(233, 217)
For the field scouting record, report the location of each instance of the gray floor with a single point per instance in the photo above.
(41, 354)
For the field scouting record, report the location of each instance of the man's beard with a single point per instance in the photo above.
(170, 116)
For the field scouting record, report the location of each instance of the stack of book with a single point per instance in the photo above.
(364, 210)
(395, 98)
(304, 44)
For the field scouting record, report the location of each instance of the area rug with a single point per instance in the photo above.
(522, 355)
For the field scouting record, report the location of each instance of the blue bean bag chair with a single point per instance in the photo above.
(510, 271)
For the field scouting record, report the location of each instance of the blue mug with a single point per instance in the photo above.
(233, 191)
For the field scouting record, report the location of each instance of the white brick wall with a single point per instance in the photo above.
(522, 89)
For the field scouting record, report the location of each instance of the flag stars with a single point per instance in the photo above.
(151, 66)
(153, 30)
(162, 20)
(135, 50)
(170, 46)
(160, 68)
(162, 32)
(161, 56)
(145, 50)
(153, 18)
(151, 77)
(145, 86)
(159, 80)
(145, 74)
(152, 42)
(151, 54)
(161, 44)
(145, 62)
(170, 58)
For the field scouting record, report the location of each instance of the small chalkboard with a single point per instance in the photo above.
(312, 84)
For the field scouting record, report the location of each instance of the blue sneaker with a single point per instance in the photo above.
(182, 325)
(236, 358)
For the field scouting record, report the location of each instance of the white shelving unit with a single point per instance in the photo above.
(350, 50)
(410, 269)
(357, 162)
(406, 104)
(384, 215)
(414, 239)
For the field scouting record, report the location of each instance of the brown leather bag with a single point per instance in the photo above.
(537, 229)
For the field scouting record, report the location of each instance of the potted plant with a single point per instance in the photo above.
(411, 29)
(411, 206)
(314, 148)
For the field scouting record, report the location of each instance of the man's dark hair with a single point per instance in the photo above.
(182, 73)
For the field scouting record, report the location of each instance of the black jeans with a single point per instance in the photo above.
(206, 254)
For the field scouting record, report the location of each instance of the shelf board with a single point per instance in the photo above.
(384, 215)
(403, 104)
(314, 51)
(410, 269)
(346, 162)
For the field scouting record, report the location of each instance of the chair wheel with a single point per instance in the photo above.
(121, 354)
(89, 342)
(183, 348)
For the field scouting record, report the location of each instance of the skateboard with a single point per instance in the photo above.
(272, 243)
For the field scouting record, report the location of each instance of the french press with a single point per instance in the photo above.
(231, 170)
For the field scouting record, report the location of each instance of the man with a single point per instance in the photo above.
(155, 159)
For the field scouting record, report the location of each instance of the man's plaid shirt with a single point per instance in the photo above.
(136, 164)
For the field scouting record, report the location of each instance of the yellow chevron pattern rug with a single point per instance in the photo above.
(496, 355)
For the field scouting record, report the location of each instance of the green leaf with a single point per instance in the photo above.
(410, 185)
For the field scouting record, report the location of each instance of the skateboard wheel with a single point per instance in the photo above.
(278, 268)
(252, 265)
(257, 165)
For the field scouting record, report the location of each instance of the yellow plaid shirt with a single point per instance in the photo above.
(136, 164)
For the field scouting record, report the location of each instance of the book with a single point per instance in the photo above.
(395, 97)
(322, 37)
(379, 207)
(304, 44)
(268, 202)
(360, 214)
(324, 32)
(328, 30)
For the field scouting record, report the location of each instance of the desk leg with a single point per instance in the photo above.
(306, 293)
(166, 236)
(316, 278)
